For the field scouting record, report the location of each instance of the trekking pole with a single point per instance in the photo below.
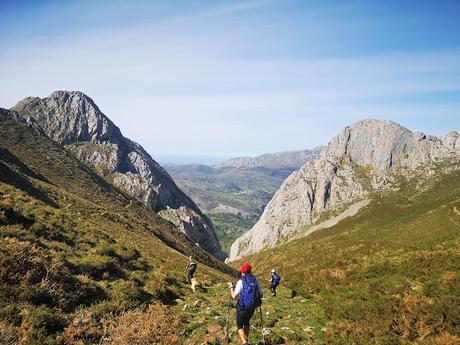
(262, 325)
(226, 320)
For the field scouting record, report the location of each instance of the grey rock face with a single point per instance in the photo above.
(362, 158)
(451, 140)
(74, 120)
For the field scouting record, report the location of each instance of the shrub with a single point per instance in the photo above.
(446, 339)
(11, 314)
(96, 265)
(21, 262)
(39, 326)
(8, 334)
(128, 294)
(154, 325)
(85, 328)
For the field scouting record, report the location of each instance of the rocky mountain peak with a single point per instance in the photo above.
(361, 158)
(370, 142)
(70, 116)
(73, 119)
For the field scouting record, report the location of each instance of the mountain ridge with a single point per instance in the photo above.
(74, 120)
(76, 252)
(359, 159)
(290, 158)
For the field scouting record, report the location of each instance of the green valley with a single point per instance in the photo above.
(234, 193)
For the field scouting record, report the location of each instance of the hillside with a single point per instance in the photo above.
(81, 263)
(71, 118)
(389, 275)
(234, 194)
(365, 157)
(78, 257)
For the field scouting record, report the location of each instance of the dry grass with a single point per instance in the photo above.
(155, 325)
(448, 278)
(446, 339)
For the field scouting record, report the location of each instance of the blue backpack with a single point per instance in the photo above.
(250, 296)
(275, 279)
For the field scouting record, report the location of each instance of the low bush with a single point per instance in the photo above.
(155, 324)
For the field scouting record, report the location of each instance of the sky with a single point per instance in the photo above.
(200, 81)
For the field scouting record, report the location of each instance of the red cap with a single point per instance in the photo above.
(245, 268)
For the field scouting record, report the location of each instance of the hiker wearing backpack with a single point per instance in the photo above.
(190, 269)
(274, 282)
(250, 297)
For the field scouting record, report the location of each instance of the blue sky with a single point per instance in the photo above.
(215, 79)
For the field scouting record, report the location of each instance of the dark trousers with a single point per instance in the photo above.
(243, 316)
(273, 289)
(190, 273)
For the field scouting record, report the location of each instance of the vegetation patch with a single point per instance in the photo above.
(387, 275)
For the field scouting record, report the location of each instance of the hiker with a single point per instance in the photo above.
(250, 297)
(274, 282)
(190, 269)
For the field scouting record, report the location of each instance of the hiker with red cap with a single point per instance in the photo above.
(250, 297)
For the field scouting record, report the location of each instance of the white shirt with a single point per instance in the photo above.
(239, 287)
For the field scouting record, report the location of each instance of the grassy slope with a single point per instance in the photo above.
(246, 189)
(75, 252)
(389, 275)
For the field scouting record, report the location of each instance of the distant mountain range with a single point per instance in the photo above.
(284, 160)
(234, 193)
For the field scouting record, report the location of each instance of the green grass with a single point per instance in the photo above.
(287, 319)
(229, 227)
(81, 262)
(390, 274)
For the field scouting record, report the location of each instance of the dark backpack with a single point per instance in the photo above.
(276, 279)
(250, 296)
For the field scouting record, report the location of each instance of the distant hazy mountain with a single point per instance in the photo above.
(365, 157)
(286, 159)
(73, 119)
(233, 193)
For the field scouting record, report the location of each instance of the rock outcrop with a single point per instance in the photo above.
(362, 158)
(74, 120)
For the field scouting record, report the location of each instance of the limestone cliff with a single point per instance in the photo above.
(362, 158)
(74, 120)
